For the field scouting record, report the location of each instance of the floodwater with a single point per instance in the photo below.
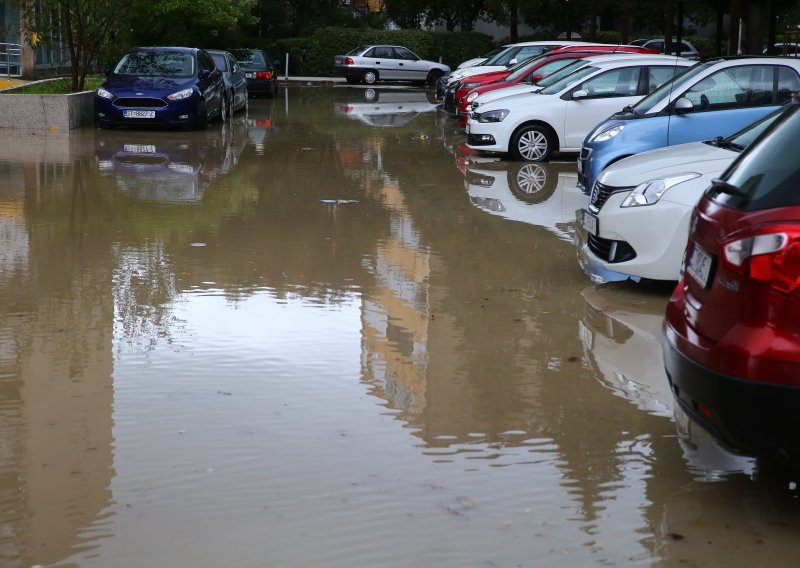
(327, 335)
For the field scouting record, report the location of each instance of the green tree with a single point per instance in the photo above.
(83, 27)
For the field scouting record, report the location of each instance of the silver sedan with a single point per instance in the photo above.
(371, 63)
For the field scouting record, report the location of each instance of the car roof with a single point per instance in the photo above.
(166, 48)
(637, 57)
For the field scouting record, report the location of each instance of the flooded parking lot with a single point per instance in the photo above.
(326, 334)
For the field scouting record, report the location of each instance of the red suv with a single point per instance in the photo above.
(732, 330)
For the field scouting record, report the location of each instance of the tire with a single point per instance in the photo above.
(201, 116)
(369, 77)
(532, 143)
(370, 95)
(433, 77)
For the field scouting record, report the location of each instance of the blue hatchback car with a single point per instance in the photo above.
(162, 86)
(714, 98)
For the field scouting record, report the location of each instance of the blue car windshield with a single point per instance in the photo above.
(156, 64)
(664, 91)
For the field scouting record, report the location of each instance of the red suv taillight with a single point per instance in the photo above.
(264, 75)
(771, 255)
(349, 61)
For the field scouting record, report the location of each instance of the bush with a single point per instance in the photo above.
(313, 55)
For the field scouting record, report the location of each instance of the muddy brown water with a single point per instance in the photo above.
(327, 335)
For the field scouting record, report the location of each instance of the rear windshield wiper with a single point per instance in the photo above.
(723, 186)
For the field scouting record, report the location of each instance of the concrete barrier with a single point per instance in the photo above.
(47, 112)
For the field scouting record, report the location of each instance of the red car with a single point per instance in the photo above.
(732, 330)
(532, 70)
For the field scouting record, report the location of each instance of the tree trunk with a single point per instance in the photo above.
(733, 35)
(513, 18)
(625, 36)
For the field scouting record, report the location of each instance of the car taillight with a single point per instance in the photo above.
(264, 75)
(349, 61)
(348, 109)
(771, 256)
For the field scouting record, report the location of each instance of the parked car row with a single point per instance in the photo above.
(689, 173)
(181, 86)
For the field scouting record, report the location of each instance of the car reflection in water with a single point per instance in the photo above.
(542, 194)
(383, 107)
(621, 331)
(169, 167)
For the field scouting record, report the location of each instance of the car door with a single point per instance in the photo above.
(606, 93)
(239, 81)
(381, 58)
(731, 98)
(210, 83)
(410, 67)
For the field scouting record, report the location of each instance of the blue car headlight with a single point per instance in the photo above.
(102, 93)
(607, 134)
(180, 95)
(493, 115)
(650, 192)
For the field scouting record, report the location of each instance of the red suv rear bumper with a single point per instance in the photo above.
(758, 417)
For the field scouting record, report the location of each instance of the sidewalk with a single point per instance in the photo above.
(310, 80)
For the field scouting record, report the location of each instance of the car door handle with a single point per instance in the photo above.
(401, 65)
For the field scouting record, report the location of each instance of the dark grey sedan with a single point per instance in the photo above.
(234, 76)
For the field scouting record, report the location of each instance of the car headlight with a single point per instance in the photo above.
(607, 134)
(101, 92)
(650, 192)
(470, 85)
(180, 95)
(493, 115)
(471, 97)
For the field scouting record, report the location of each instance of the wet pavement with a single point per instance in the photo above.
(329, 335)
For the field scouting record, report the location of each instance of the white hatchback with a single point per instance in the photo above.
(637, 222)
(531, 126)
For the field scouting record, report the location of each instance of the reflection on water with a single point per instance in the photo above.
(383, 107)
(545, 195)
(296, 338)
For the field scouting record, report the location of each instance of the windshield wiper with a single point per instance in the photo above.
(721, 142)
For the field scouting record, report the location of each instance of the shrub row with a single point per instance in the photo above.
(313, 55)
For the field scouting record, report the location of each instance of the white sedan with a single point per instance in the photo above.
(637, 222)
(531, 126)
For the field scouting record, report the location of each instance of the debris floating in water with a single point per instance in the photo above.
(198, 245)
(338, 201)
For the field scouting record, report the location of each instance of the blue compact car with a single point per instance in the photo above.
(162, 86)
(715, 98)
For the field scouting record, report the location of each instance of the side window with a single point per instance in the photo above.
(657, 76)
(382, 53)
(552, 67)
(788, 82)
(622, 82)
(734, 87)
(232, 65)
(403, 53)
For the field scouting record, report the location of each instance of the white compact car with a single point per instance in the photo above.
(478, 100)
(639, 209)
(531, 127)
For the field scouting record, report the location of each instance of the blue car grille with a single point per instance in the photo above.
(139, 102)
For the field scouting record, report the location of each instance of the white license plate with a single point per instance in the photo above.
(250, 75)
(467, 129)
(139, 148)
(139, 113)
(589, 222)
(699, 265)
(580, 166)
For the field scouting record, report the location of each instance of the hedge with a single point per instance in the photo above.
(313, 55)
